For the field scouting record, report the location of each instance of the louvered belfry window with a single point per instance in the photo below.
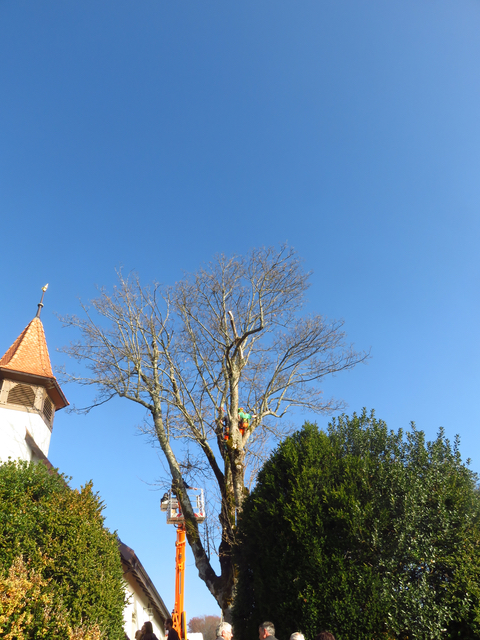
(22, 394)
(48, 409)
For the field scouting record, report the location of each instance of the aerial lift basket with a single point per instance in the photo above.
(171, 505)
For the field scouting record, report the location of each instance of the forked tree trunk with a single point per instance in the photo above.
(225, 337)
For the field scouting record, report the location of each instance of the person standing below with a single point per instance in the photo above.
(224, 630)
(266, 630)
(147, 631)
(172, 633)
(325, 635)
(296, 635)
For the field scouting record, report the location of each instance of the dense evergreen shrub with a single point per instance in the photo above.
(369, 533)
(53, 541)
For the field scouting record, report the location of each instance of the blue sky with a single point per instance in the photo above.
(153, 135)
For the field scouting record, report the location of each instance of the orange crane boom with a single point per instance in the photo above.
(170, 504)
(179, 617)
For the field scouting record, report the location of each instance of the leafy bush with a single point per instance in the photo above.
(61, 575)
(27, 609)
(367, 532)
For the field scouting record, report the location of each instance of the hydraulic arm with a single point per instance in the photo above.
(171, 505)
(179, 617)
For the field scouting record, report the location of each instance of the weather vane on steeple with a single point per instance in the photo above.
(40, 304)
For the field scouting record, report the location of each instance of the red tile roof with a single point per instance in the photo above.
(29, 353)
(28, 360)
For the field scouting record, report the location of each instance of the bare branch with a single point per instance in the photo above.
(225, 342)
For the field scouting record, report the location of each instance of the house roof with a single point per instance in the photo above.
(27, 359)
(132, 564)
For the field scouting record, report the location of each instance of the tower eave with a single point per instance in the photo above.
(50, 384)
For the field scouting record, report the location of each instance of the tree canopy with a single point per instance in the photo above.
(370, 533)
(60, 570)
(217, 361)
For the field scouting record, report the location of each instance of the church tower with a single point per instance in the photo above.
(29, 395)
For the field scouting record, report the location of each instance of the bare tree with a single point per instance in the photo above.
(217, 361)
(205, 625)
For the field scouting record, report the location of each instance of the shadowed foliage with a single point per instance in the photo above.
(367, 532)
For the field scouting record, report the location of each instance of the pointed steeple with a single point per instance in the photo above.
(27, 360)
(29, 352)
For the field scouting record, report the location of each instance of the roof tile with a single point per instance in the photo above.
(29, 353)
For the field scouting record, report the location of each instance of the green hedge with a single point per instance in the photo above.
(53, 537)
(366, 532)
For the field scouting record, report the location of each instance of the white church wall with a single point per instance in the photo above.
(139, 610)
(14, 429)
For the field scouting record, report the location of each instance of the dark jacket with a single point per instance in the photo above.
(172, 635)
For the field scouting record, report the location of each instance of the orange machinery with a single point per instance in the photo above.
(170, 504)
